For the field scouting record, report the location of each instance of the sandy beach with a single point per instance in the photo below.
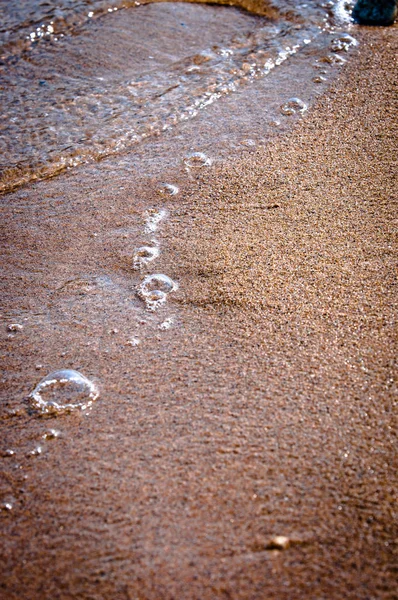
(243, 445)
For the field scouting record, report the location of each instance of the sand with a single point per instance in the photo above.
(267, 410)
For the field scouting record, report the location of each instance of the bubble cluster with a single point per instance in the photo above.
(195, 160)
(154, 290)
(63, 391)
(293, 106)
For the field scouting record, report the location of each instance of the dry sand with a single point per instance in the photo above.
(268, 411)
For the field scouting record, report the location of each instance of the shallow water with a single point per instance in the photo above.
(81, 81)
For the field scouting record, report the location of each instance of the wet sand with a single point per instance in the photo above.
(266, 410)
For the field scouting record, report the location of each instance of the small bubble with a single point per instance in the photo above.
(319, 79)
(145, 255)
(36, 451)
(7, 506)
(249, 143)
(133, 342)
(15, 327)
(167, 324)
(84, 285)
(9, 452)
(63, 391)
(38, 367)
(51, 434)
(333, 59)
(279, 542)
(154, 289)
(168, 189)
(197, 160)
(293, 106)
(343, 43)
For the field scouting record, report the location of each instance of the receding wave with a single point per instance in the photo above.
(63, 105)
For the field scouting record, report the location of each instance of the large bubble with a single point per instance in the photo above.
(63, 391)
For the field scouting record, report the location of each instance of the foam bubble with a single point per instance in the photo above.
(167, 324)
(15, 327)
(63, 391)
(153, 218)
(343, 43)
(145, 255)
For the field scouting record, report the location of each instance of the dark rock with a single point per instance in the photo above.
(375, 12)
